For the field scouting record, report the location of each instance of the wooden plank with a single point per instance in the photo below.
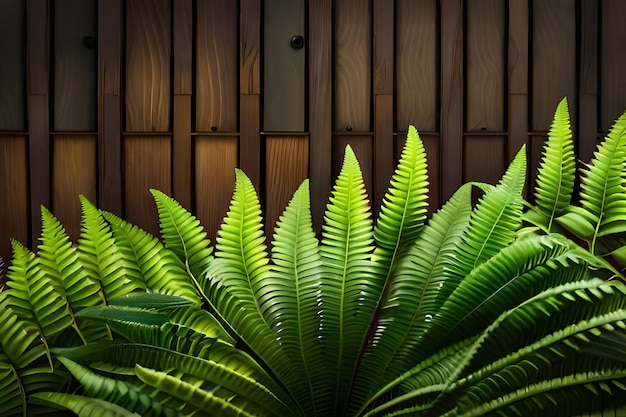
(12, 80)
(320, 99)
(484, 158)
(417, 65)
(554, 59)
(383, 146)
(485, 62)
(217, 63)
(75, 95)
(250, 47)
(383, 46)
(215, 163)
(613, 62)
(37, 80)
(148, 60)
(74, 173)
(286, 161)
(183, 45)
(362, 147)
(110, 188)
(14, 189)
(147, 164)
(451, 96)
(518, 76)
(431, 145)
(588, 89)
(352, 65)
(284, 78)
(250, 141)
(181, 151)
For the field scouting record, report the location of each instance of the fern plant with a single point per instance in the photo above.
(467, 313)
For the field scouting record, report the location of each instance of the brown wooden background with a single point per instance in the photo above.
(109, 98)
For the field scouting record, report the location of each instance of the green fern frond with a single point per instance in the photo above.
(183, 234)
(81, 405)
(12, 393)
(556, 173)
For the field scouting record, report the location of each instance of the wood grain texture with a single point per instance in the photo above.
(588, 87)
(485, 60)
(612, 79)
(182, 151)
(320, 110)
(518, 76)
(215, 163)
(431, 145)
(363, 149)
(383, 44)
(554, 59)
(283, 75)
(75, 72)
(383, 146)
(182, 28)
(14, 212)
(451, 96)
(352, 63)
(12, 80)
(148, 62)
(37, 47)
(484, 158)
(147, 164)
(73, 173)
(417, 65)
(110, 46)
(287, 165)
(217, 63)
(250, 46)
(250, 139)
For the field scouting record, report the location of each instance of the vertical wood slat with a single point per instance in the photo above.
(613, 81)
(287, 160)
(352, 65)
(484, 158)
(284, 73)
(451, 96)
(74, 173)
(485, 107)
(216, 160)
(217, 63)
(417, 63)
(12, 45)
(181, 149)
(110, 111)
(14, 189)
(37, 17)
(250, 102)
(383, 98)
(148, 55)
(554, 60)
(588, 89)
(147, 164)
(518, 76)
(320, 99)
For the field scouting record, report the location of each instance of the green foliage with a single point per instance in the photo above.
(468, 313)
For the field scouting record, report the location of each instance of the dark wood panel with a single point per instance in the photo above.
(73, 173)
(451, 96)
(588, 89)
(518, 76)
(320, 99)
(148, 61)
(75, 65)
(181, 151)
(14, 210)
(417, 65)
(352, 65)
(363, 149)
(613, 62)
(12, 82)
(485, 57)
(250, 140)
(215, 163)
(287, 163)
(554, 59)
(431, 146)
(147, 164)
(284, 80)
(484, 158)
(383, 146)
(383, 45)
(217, 62)
(250, 46)
(183, 45)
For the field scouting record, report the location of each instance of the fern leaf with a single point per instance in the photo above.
(81, 405)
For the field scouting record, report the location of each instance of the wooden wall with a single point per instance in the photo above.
(109, 98)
